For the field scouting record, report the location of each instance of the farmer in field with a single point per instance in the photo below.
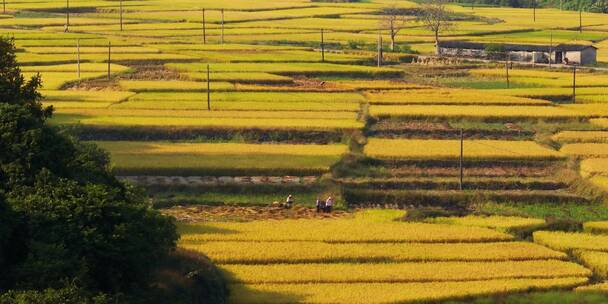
(320, 205)
(329, 203)
(289, 201)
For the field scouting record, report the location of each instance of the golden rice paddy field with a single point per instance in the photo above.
(450, 149)
(250, 94)
(217, 159)
(371, 258)
(596, 227)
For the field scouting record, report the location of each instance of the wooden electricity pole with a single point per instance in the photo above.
(78, 58)
(204, 29)
(67, 15)
(222, 26)
(322, 46)
(109, 60)
(208, 89)
(574, 84)
(4, 6)
(507, 69)
(121, 15)
(379, 50)
(461, 157)
(550, 49)
(534, 10)
(580, 19)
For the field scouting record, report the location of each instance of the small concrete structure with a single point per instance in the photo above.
(561, 53)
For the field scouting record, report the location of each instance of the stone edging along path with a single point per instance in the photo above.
(222, 180)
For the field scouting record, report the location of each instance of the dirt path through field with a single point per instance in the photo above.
(193, 214)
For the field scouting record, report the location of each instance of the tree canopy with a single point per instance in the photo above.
(63, 216)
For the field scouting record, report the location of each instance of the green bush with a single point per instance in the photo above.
(68, 294)
(72, 220)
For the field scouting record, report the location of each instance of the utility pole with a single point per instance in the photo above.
(208, 89)
(379, 49)
(574, 84)
(121, 15)
(322, 46)
(580, 19)
(507, 69)
(551, 49)
(4, 6)
(461, 157)
(204, 29)
(534, 10)
(67, 15)
(109, 60)
(78, 57)
(222, 26)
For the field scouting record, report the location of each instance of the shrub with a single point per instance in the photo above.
(76, 222)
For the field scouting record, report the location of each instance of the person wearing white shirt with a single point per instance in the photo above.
(329, 203)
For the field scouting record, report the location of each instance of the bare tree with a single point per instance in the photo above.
(435, 16)
(393, 20)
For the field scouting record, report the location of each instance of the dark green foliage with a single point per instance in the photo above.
(7, 234)
(204, 135)
(14, 89)
(27, 146)
(93, 233)
(189, 278)
(560, 213)
(495, 51)
(454, 199)
(66, 217)
(68, 294)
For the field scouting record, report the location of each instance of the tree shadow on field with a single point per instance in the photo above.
(242, 293)
(184, 229)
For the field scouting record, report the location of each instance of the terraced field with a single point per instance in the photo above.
(219, 120)
(288, 261)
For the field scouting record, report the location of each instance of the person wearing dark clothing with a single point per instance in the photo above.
(320, 205)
